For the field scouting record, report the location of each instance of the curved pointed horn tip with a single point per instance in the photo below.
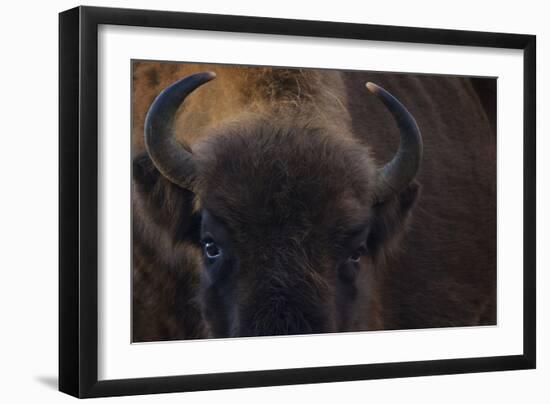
(207, 76)
(373, 88)
(200, 77)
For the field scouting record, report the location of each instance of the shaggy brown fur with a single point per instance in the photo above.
(287, 162)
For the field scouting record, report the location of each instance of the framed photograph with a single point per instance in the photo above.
(250, 201)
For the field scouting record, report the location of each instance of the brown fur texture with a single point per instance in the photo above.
(287, 162)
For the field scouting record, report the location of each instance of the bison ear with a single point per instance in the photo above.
(160, 203)
(390, 220)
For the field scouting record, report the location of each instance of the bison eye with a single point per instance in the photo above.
(357, 254)
(211, 250)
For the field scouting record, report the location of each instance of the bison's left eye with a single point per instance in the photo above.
(211, 250)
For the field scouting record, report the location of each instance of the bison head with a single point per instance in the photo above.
(292, 216)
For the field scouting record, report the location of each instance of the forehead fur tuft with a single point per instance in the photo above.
(272, 174)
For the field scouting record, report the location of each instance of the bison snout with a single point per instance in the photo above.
(281, 315)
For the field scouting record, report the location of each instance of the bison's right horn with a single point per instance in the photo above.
(402, 169)
(173, 159)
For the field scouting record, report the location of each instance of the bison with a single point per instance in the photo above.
(277, 201)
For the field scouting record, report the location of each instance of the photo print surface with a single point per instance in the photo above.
(284, 201)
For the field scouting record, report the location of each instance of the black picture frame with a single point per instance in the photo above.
(78, 201)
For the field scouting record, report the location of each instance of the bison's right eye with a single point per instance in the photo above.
(357, 254)
(211, 250)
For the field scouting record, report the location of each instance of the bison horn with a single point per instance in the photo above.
(402, 169)
(173, 159)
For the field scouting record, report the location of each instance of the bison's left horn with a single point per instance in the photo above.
(402, 169)
(173, 159)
